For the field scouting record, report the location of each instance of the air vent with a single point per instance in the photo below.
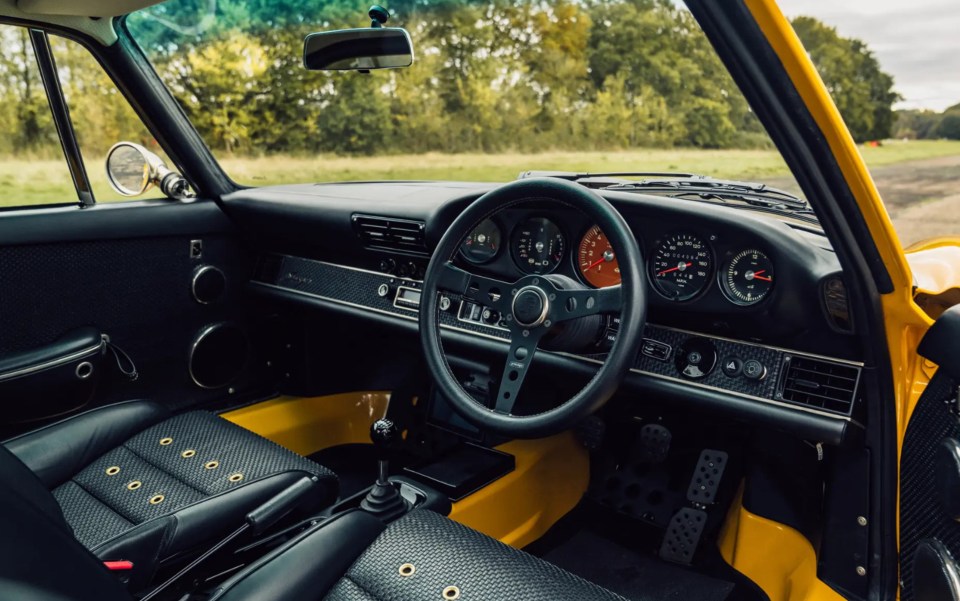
(402, 235)
(820, 384)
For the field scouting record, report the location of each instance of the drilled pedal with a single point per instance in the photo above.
(706, 476)
(654, 443)
(683, 535)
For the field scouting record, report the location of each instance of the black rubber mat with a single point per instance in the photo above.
(636, 576)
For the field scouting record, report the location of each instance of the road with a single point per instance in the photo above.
(922, 197)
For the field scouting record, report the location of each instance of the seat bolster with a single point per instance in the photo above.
(306, 567)
(60, 450)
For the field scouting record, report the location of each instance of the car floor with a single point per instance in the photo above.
(620, 554)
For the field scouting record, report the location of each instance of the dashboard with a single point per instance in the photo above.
(746, 313)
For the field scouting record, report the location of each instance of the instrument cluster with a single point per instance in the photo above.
(682, 265)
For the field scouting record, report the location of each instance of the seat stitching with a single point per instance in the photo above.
(104, 503)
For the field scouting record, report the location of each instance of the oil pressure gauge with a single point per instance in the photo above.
(747, 278)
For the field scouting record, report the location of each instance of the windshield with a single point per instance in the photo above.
(508, 86)
(497, 88)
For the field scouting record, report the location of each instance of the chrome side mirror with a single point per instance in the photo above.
(132, 170)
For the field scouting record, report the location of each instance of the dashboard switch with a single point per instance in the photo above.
(383, 290)
(754, 370)
(655, 349)
(732, 367)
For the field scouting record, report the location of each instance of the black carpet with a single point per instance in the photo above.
(636, 576)
(354, 464)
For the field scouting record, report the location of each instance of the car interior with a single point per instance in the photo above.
(561, 387)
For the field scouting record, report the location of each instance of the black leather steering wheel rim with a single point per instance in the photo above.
(442, 274)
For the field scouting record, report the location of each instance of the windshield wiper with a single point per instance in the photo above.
(723, 190)
(574, 175)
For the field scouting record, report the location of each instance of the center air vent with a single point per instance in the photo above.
(819, 384)
(385, 233)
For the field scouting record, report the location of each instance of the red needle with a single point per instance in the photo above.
(677, 268)
(760, 277)
(594, 264)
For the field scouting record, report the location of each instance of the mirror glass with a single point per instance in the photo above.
(128, 169)
(358, 49)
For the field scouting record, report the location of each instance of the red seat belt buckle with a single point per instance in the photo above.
(120, 565)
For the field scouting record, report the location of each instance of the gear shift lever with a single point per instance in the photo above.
(384, 500)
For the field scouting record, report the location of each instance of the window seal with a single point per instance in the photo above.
(61, 116)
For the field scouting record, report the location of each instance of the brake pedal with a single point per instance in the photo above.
(683, 535)
(706, 476)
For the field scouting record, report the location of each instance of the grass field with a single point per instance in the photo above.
(30, 182)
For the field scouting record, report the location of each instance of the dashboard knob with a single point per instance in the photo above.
(444, 302)
(490, 316)
(696, 358)
(387, 265)
(383, 290)
(754, 370)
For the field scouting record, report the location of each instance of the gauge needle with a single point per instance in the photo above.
(677, 268)
(757, 276)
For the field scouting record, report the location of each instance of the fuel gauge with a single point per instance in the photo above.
(482, 244)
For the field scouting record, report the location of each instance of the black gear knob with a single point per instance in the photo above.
(384, 434)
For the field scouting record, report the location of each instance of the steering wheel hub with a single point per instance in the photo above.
(530, 307)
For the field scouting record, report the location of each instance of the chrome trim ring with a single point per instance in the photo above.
(543, 313)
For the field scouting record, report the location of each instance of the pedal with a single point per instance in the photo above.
(654, 443)
(706, 476)
(683, 535)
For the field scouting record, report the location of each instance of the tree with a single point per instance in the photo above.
(862, 91)
(949, 126)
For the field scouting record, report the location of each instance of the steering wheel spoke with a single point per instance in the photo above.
(519, 359)
(489, 292)
(573, 304)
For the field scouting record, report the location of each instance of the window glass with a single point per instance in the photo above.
(33, 170)
(101, 115)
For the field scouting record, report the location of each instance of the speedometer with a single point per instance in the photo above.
(681, 267)
(537, 245)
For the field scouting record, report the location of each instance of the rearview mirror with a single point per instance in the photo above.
(358, 49)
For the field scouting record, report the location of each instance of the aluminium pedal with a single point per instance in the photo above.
(706, 476)
(683, 535)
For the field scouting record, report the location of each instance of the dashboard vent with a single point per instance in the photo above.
(821, 384)
(402, 235)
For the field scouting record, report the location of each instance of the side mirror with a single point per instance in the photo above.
(132, 170)
(358, 49)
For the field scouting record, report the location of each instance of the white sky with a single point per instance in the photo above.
(918, 42)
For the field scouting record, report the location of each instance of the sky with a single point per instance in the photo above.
(918, 42)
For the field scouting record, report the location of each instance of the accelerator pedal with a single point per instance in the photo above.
(683, 535)
(706, 476)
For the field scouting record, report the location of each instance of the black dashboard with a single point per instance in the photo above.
(762, 300)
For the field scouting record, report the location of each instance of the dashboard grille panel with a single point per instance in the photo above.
(820, 384)
(391, 234)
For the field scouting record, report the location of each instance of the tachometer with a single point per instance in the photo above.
(747, 277)
(596, 260)
(538, 245)
(681, 266)
(483, 243)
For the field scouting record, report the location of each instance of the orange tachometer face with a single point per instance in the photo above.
(596, 260)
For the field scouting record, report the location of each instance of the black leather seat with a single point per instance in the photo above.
(423, 555)
(350, 557)
(130, 482)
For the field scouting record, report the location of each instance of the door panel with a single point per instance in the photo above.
(128, 272)
(930, 472)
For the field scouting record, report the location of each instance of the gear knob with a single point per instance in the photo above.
(384, 434)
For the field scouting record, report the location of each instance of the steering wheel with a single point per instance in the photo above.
(533, 305)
